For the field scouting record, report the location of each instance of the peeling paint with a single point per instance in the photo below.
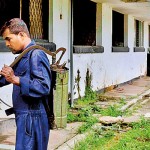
(77, 80)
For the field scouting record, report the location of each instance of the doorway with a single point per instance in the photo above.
(12, 8)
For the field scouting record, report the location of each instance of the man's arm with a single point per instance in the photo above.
(37, 84)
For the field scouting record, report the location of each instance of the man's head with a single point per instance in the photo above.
(16, 35)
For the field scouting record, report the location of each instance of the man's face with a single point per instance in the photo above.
(13, 42)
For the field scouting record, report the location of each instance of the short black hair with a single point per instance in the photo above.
(15, 26)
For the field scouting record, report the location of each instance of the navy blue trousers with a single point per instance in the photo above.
(32, 130)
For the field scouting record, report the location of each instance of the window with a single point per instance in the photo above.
(84, 27)
(117, 29)
(27, 14)
(139, 36)
(139, 33)
(118, 33)
(84, 22)
(12, 9)
(15, 8)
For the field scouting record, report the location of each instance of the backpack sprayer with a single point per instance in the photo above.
(55, 66)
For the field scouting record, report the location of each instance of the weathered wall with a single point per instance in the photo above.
(111, 68)
(108, 68)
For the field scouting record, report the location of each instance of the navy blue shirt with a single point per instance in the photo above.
(35, 79)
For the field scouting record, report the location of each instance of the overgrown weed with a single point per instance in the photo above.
(137, 138)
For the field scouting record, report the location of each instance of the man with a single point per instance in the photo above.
(31, 79)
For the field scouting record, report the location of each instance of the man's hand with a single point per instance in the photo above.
(9, 75)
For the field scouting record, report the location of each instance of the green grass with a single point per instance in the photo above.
(137, 138)
(92, 142)
(111, 111)
(114, 137)
(85, 113)
(82, 115)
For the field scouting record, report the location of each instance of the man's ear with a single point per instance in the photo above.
(22, 34)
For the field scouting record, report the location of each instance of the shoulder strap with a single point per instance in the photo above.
(47, 105)
(31, 48)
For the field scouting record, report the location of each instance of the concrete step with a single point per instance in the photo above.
(7, 126)
(7, 147)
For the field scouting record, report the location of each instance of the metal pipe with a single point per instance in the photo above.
(71, 57)
(20, 9)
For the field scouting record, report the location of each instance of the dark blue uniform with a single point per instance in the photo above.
(31, 120)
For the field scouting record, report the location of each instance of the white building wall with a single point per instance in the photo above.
(6, 91)
(110, 68)
(61, 25)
